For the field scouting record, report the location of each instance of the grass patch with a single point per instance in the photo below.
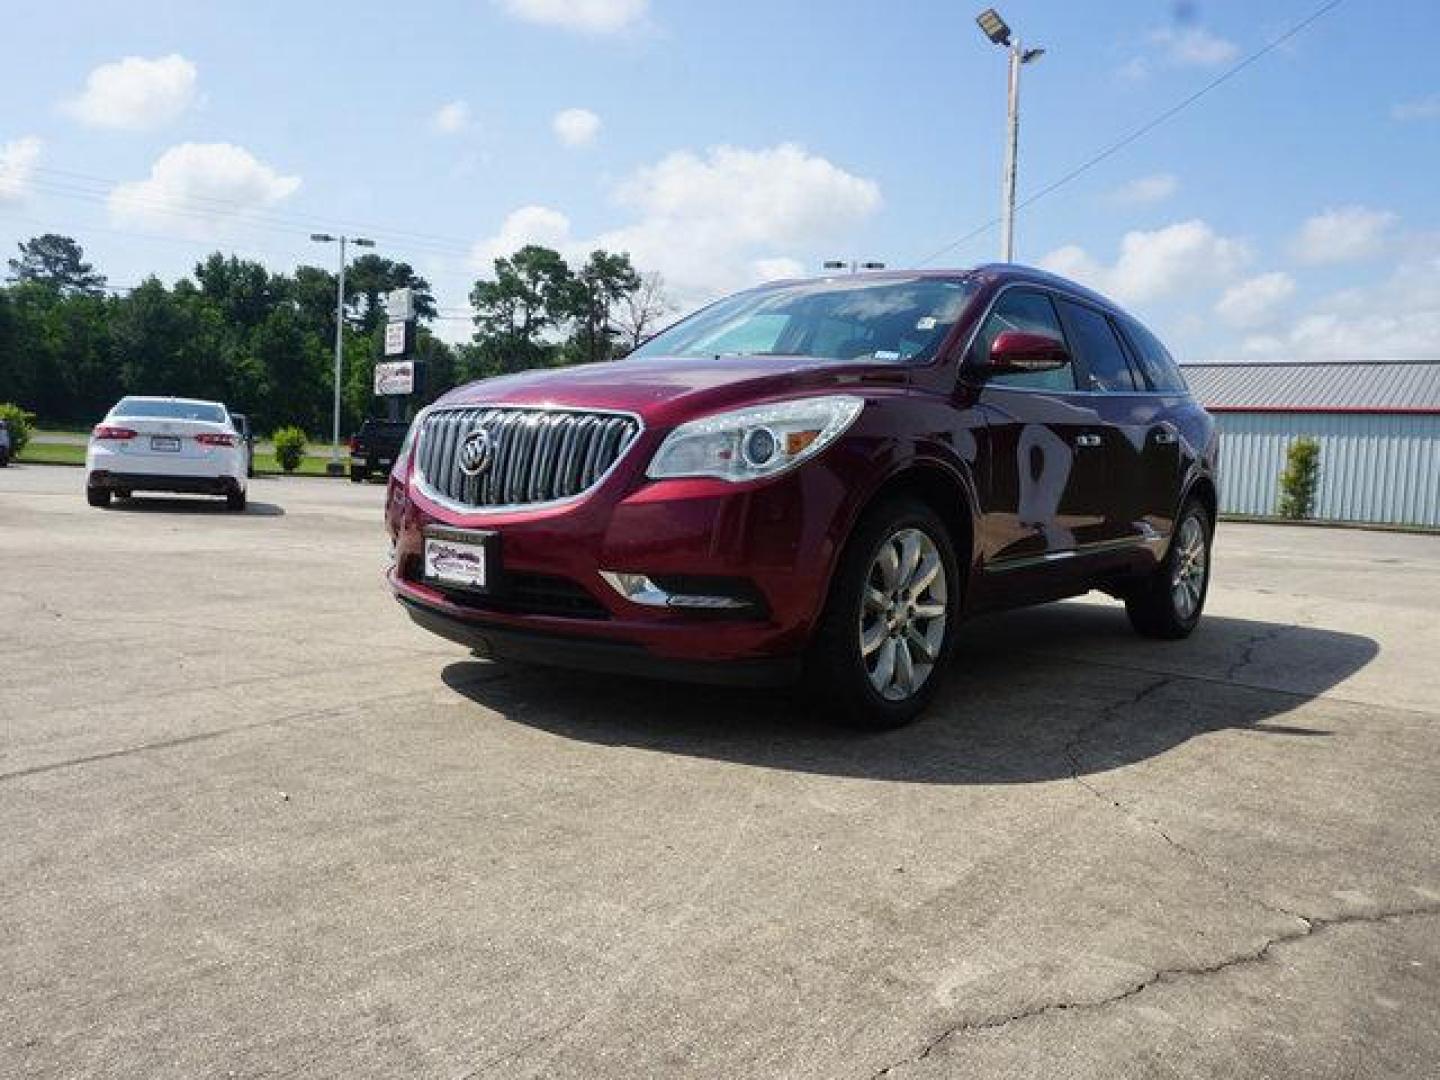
(310, 464)
(52, 454)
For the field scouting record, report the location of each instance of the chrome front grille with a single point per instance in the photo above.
(535, 455)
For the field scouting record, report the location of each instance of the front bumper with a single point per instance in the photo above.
(614, 657)
(774, 540)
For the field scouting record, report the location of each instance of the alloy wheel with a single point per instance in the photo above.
(903, 614)
(1192, 563)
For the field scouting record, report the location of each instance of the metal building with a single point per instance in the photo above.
(1378, 425)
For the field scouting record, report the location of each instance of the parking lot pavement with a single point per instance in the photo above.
(256, 825)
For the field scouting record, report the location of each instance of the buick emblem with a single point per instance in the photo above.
(475, 453)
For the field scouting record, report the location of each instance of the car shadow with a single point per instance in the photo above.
(1042, 694)
(151, 504)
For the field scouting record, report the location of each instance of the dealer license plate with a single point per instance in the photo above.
(458, 560)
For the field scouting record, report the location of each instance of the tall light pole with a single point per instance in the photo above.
(995, 28)
(854, 265)
(335, 468)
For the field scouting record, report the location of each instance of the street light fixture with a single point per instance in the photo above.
(853, 266)
(997, 30)
(334, 468)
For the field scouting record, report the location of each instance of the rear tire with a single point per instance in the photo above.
(235, 500)
(887, 632)
(358, 475)
(1169, 602)
(97, 496)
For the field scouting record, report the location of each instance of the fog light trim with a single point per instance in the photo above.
(639, 589)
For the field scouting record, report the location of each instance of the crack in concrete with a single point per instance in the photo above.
(1311, 927)
(1247, 650)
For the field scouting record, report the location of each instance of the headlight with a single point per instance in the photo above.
(751, 443)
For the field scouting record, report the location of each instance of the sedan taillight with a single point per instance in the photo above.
(207, 439)
(105, 431)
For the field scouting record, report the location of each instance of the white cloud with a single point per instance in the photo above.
(1175, 47)
(1194, 47)
(1427, 108)
(1396, 319)
(527, 225)
(1146, 189)
(136, 94)
(451, 118)
(576, 127)
(589, 16)
(714, 222)
(194, 188)
(1343, 235)
(1256, 301)
(17, 162)
(1156, 263)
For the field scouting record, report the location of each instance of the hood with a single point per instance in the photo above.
(670, 390)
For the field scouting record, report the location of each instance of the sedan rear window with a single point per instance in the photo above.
(890, 320)
(165, 409)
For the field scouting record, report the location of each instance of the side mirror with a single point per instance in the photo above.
(1017, 351)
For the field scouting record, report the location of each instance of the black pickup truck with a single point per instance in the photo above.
(374, 447)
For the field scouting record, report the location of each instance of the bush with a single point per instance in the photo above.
(1300, 479)
(22, 423)
(289, 448)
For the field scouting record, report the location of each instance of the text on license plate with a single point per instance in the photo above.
(455, 562)
(169, 443)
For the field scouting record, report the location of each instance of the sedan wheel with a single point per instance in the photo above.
(902, 620)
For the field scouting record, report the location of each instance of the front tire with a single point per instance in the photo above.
(886, 634)
(359, 476)
(1168, 603)
(235, 500)
(97, 496)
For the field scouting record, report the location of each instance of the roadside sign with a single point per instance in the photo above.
(395, 378)
(400, 305)
(395, 338)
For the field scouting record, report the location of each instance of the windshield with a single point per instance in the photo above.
(170, 410)
(891, 320)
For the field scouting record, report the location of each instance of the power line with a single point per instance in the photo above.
(1144, 129)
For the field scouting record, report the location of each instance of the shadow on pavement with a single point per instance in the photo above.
(1034, 695)
(151, 504)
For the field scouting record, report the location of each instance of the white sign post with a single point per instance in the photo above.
(395, 379)
(395, 338)
(400, 305)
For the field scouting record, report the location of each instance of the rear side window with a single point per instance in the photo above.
(1159, 367)
(1098, 352)
(1031, 312)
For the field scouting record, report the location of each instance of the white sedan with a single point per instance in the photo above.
(165, 444)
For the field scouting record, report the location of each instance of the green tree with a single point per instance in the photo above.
(56, 261)
(602, 285)
(1300, 480)
(532, 297)
(367, 281)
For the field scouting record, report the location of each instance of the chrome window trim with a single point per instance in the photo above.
(1052, 292)
(418, 478)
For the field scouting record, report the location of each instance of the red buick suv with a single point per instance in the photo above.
(814, 480)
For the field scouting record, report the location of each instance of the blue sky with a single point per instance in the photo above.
(1289, 213)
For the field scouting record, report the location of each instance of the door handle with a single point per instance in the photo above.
(1165, 438)
(1087, 440)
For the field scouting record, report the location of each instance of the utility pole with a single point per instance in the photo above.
(335, 468)
(996, 29)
